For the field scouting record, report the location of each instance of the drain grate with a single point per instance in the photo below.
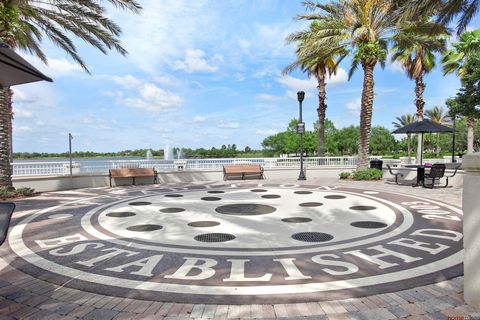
(172, 210)
(216, 191)
(271, 196)
(258, 190)
(211, 199)
(335, 196)
(203, 224)
(303, 192)
(174, 195)
(140, 203)
(312, 237)
(368, 224)
(310, 204)
(145, 227)
(120, 214)
(363, 208)
(297, 220)
(215, 237)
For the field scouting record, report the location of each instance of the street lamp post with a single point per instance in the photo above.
(301, 129)
(453, 140)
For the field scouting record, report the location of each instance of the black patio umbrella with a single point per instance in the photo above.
(16, 70)
(424, 126)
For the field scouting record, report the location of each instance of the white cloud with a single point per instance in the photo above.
(199, 119)
(354, 106)
(21, 113)
(267, 97)
(22, 129)
(266, 132)
(195, 62)
(62, 67)
(395, 66)
(228, 125)
(295, 84)
(144, 95)
(340, 77)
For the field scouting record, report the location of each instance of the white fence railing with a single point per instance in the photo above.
(102, 166)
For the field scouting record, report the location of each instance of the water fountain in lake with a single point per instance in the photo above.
(149, 155)
(180, 154)
(167, 153)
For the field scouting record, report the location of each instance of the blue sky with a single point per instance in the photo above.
(199, 74)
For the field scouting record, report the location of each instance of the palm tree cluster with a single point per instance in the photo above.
(412, 31)
(24, 24)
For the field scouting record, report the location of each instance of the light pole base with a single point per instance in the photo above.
(302, 176)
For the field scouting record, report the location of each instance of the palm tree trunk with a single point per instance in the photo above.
(365, 116)
(321, 111)
(470, 133)
(419, 103)
(5, 131)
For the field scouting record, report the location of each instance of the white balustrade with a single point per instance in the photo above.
(102, 166)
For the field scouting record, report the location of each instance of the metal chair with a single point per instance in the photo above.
(437, 171)
(394, 174)
(6, 211)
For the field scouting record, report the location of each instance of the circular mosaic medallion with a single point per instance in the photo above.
(216, 191)
(211, 199)
(303, 192)
(325, 243)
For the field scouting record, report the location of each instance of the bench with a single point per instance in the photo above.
(6, 211)
(395, 174)
(132, 173)
(243, 171)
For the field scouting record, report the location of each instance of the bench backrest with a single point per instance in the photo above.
(132, 172)
(240, 168)
(437, 170)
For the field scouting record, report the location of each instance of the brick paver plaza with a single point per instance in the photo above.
(322, 249)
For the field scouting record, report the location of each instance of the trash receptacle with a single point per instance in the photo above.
(376, 164)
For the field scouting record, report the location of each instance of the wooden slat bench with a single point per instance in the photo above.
(243, 171)
(133, 173)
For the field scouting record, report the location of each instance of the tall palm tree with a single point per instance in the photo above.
(318, 66)
(415, 45)
(402, 121)
(437, 115)
(362, 26)
(445, 10)
(25, 23)
(455, 60)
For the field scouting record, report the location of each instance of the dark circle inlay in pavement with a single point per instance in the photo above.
(211, 199)
(173, 195)
(214, 237)
(258, 190)
(271, 196)
(172, 210)
(120, 214)
(140, 203)
(335, 196)
(145, 227)
(312, 236)
(216, 191)
(310, 204)
(203, 224)
(363, 208)
(296, 220)
(303, 192)
(368, 224)
(245, 209)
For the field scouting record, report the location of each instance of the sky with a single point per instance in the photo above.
(198, 74)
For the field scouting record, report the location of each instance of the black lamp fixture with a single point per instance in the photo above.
(301, 129)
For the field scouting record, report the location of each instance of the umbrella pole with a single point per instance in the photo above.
(421, 148)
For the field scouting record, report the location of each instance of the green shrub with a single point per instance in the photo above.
(344, 175)
(9, 192)
(368, 174)
(25, 191)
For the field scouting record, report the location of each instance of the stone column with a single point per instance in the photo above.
(471, 228)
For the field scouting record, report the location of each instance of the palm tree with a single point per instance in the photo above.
(415, 45)
(455, 60)
(362, 26)
(402, 121)
(437, 115)
(445, 10)
(25, 23)
(314, 64)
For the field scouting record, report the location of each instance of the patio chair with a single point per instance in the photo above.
(437, 171)
(394, 174)
(6, 211)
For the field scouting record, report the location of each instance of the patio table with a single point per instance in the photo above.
(420, 173)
